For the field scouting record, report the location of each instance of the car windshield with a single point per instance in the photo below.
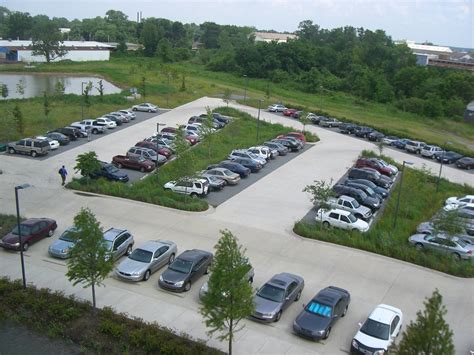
(111, 169)
(271, 293)
(252, 155)
(352, 218)
(375, 329)
(228, 172)
(25, 230)
(319, 309)
(141, 255)
(108, 244)
(68, 236)
(355, 204)
(461, 243)
(180, 265)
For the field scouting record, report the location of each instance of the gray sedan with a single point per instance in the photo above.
(277, 295)
(61, 247)
(454, 246)
(147, 259)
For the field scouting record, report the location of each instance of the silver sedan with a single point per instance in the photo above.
(147, 259)
(441, 243)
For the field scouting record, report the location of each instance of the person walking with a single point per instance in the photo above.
(63, 173)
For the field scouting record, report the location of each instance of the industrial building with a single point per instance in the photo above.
(273, 37)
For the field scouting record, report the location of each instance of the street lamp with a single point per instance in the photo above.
(400, 191)
(246, 84)
(82, 101)
(258, 118)
(441, 165)
(20, 187)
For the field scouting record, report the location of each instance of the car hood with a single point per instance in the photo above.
(451, 200)
(169, 184)
(262, 305)
(61, 245)
(11, 238)
(173, 276)
(132, 266)
(312, 322)
(369, 341)
(425, 227)
(417, 238)
(372, 201)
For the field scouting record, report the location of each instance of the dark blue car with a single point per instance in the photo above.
(401, 143)
(110, 172)
(248, 163)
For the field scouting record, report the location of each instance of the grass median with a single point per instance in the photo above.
(239, 133)
(419, 201)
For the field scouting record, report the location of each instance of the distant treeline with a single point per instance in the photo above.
(365, 63)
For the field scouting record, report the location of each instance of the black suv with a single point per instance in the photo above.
(347, 128)
(110, 172)
(70, 132)
(363, 131)
(358, 194)
(371, 175)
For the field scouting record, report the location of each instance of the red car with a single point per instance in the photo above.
(191, 139)
(32, 230)
(297, 135)
(374, 164)
(131, 162)
(289, 111)
(160, 150)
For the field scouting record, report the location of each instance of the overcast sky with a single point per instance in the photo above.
(444, 22)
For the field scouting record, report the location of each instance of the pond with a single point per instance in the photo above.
(36, 84)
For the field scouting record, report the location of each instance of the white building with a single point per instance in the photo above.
(273, 37)
(77, 51)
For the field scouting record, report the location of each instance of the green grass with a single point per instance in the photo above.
(127, 72)
(240, 133)
(418, 203)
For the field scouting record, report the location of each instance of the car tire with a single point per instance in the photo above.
(11, 151)
(134, 109)
(25, 246)
(326, 335)
(194, 195)
(150, 111)
(129, 250)
(142, 169)
(326, 224)
(95, 131)
(187, 287)
(120, 166)
(456, 256)
(345, 311)
(33, 154)
(207, 270)
(50, 233)
(298, 296)
(419, 246)
(278, 316)
(147, 275)
(171, 259)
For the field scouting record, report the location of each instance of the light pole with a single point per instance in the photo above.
(168, 94)
(82, 101)
(258, 118)
(441, 165)
(400, 192)
(20, 187)
(245, 92)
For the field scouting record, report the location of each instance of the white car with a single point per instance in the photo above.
(106, 122)
(389, 140)
(378, 332)
(430, 151)
(276, 108)
(261, 151)
(145, 107)
(242, 153)
(53, 143)
(129, 113)
(453, 203)
(193, 187)
(90, 125)
(341, 219)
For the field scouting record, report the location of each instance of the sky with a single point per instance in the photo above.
(442, 22)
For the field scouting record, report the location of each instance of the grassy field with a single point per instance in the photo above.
(128, 72)
(239, 133)
(418, 203)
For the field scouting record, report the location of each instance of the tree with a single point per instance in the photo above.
(149, 37)
(321, 192)
(59, 88)
(429, 333)
(380, 147)
(227, 96)
(47, 41)
(207, 130)
(19, 120)
(164, 50)
(183, 84)
(100, 89)
(19, 25)
(4, 90)
(449, 223)
(20, 87)
(90, 260)
(87, 163)
(86, 93)
(304, 119)
(46, 105)
(230, 297)
(143, 86)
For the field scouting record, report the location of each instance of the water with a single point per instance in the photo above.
(35, 84)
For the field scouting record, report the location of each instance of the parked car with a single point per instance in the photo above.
(400, 144)
(90, 125)
(329, 122)
(145, 107)
(225, 174)
(319, 316)
(456, 202)
(351, 205)
(280, 148)
(374, 164)
(53, 143)
(186, 269)
(389, 140)
(379, 190)
(147, 259)
(466, 230)
(61, 248)
(261, 152)
(193, 187)
(166, 152)
(414, 146)
(378, 332)
(133, 162)
(289, 112)
(110, 172)
(276, 108)
(71, 133)
(146, 153)
(124, 117)
(221, 118)
(387, 165)
(248, 277)
(297, 135)
(276, 295)
(242, 153)
(249, 163)
(217, 124)
(465, 163)
(161, 143)
(61, 138)
(358, 194)
(106, 122)
(129, 113)
(429, 151)
(363, 131)
(368, 190)
(371, 175)
(315, 119)
(448, 157)
(341, 219)
(202, 119)
(290, 144)
(119, 242)
(32, 230)
(215, 183)
(443, 244)
(375, 136)
(82, 132)
(30, 146)
(232, 166)
(347, 128)
(118, 120)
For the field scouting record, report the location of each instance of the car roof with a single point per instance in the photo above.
(193, 254)
(329, 296)
(31, 221)
(153, 245)
(219, 169)
(283, 279)
(384, 313)
(112, 233)
(342, 212)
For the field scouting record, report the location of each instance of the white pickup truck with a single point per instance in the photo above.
(350, 204)
(92, 124)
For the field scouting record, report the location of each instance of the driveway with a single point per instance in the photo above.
(261, 217)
